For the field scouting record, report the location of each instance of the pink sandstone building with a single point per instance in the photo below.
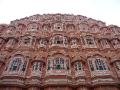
(59, 52)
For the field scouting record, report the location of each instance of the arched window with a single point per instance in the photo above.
(17, 65)
(99, 66)
(58, 66)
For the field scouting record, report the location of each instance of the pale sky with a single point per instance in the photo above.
(105, 10)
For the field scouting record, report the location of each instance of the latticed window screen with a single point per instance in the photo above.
(58, 64)
(37, 66)
(98, 64)
(104, 42)
(78, 66)
(16, 63)
(58, 40)
(90, 41)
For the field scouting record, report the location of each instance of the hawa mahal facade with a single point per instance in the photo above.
(59, 52)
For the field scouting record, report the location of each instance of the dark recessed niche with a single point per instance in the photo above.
(58, 27)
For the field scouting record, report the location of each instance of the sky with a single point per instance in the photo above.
(105, 10)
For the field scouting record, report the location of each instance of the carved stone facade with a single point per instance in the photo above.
(59, 52)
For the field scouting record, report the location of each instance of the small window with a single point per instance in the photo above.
(37, 66)
(58, 40)
(90, 41)
(78, 66)
(58, 26)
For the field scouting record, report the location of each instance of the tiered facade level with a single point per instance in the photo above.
(59, 52)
